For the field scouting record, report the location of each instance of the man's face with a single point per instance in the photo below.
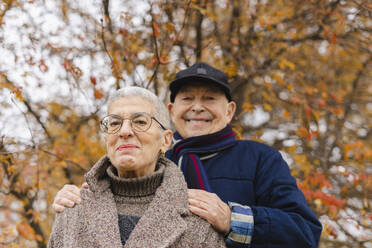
(200, 109)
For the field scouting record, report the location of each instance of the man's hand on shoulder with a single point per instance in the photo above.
(211, 208)
(68, 196)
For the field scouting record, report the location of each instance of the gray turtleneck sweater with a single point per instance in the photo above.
(132, 197)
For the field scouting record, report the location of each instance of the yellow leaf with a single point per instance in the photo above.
(286, 64)
(169, 26)
(231, 70)
(286, 114)
(279, 79)
(12, 169)
(19, 95)
(292, 148)
(248, 107)
(268, 107)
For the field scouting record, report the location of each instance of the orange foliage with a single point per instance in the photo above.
(306, 64)
(26, 231)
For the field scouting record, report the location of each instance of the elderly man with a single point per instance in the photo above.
(243, 188)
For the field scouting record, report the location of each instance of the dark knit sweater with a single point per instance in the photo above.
(132, 197)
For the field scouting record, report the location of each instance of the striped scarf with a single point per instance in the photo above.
(188, 154)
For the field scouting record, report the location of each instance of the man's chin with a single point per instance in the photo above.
(191, 130)
(197, 132)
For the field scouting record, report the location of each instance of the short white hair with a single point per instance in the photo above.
(160, 112)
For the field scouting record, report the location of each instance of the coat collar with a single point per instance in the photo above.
(160, 226)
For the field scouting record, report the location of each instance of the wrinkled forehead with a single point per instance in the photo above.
(200, 86)
(129, 105)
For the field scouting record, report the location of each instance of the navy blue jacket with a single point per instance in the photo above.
(255, 175)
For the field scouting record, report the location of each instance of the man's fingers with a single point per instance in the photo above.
(195, 193)
(200, 212)
(68, 196)
(58, 208)
(66, 202)
(70, 188)
(71, 196)
(60, 203)
(67, 199)
(197, 204)
(201, 195)
(211, 208)
(85, 185)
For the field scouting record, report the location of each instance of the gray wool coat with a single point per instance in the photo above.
(166, 223)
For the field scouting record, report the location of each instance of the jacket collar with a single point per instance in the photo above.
(160, 226)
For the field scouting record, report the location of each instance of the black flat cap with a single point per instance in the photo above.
(200, 72)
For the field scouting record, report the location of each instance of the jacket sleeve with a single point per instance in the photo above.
(241, 226)
(281, 215)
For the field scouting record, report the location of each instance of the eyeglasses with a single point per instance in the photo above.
(140, 122)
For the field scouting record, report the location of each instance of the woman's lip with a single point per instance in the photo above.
(126, 147)
(197, 119)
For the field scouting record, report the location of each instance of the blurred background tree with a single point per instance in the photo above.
(300, 73)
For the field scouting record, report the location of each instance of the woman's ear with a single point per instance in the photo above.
(103, 138)
(167, 140)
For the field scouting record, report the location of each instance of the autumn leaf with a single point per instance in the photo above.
(164, 58)
(322, 103)
(124, 32)
(332, 38)
(303, 132)
(98, 93)
(248, 107)
(67, 65)
(156, 29)
(268, 107)
(296, 100)
(93, 80)
(305, 62)
(286, 64)
(38, 237)
(170, 27)
(286, 114)
(26, 231)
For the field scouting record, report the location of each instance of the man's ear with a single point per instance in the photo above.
(231, 108)
(170, 108)
(167, 140)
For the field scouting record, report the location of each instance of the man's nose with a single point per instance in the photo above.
(126, 129)
(197, 106)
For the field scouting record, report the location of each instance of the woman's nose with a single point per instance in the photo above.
(126, 129)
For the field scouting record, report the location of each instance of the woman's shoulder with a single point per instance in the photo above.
(199, 231)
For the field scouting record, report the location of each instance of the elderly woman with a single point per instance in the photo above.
(136, 197)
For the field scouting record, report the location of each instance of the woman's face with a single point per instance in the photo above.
(133, 153)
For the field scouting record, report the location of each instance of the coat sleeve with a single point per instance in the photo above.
(65, 227)
(213, 239)
(57, 234)
(281, 214)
